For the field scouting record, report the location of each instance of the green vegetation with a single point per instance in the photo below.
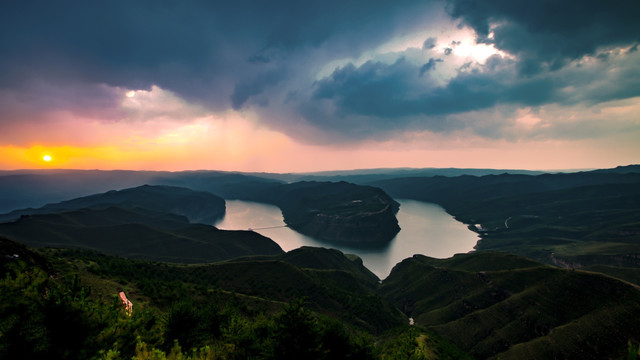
(238, 296)
(137, 234)
(568, 220)
(147, 222)
(196, 311)
(414, 343)
(276, 307)
(528, 312)
(42, 318)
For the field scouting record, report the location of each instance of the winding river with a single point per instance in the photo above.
(426, 229)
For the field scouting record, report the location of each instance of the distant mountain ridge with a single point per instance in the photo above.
(569, 220)
(35, 188)
(198, 206)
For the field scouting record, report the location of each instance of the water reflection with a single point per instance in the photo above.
(426, 229)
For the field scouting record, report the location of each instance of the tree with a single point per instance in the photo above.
(296, 333)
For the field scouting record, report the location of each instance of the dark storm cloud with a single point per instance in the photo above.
(397, 90)
(244, 90)
(397, 95)
(205, 51)
(83, 55)
(546, 35)
(548, 39)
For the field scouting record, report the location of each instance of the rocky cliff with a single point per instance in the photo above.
(339, 212)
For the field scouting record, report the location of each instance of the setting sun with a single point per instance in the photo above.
(47, 158)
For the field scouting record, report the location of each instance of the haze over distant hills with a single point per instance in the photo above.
(35, 188)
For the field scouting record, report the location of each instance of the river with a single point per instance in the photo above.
(426, 229)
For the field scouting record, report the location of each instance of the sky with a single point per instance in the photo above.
(298, 86)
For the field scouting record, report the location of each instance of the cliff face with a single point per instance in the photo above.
(357, 228)
(340, 212)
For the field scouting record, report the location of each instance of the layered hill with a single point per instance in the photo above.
(198, 206)
(335, 212)
(329, 282)
(35, 188)
(147, 222)
(522, 311)
(137, 235)
(489, 305)
(570, 220)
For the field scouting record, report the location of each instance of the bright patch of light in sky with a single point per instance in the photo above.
(456, 46)
(478, 52)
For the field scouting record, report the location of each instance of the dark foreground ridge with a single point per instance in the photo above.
(483, 305)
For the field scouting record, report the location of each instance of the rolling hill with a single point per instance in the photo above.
(570, 220)
(522, 311)
(198, 206)
(146, 222)
(137, 235)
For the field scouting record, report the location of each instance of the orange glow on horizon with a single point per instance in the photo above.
(276, 154)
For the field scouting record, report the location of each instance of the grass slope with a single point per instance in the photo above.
(526, 312)
(262, 282)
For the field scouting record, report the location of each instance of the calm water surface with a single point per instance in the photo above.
(426, 229)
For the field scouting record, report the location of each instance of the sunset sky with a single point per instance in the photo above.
(294, 86)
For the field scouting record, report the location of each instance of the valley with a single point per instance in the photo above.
(555, 272)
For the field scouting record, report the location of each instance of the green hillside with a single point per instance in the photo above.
(485, 305)
(522, 313)
(244, 309)
(137, 234)
(203, 293)
(324, 259)
(569, 220)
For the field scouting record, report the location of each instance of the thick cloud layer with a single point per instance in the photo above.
(547, 34)
(321, 71)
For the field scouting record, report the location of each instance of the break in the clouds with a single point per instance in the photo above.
(325, 71)
(547, 35)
